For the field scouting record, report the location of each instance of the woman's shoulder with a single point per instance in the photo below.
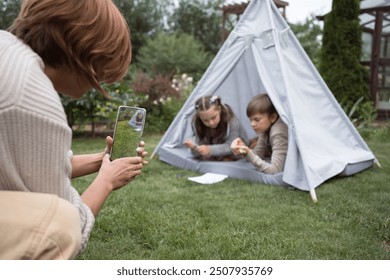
(6, 38)
(14, 50)
(16, 61)
(24, 84)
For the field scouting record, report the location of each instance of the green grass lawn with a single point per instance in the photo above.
(126, 140)
(164, 216)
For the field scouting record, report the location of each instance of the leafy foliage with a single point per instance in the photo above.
(164, 56)
(9, 9)
(158, 95)
(157, 88)
(309, 34)
(170, 54)
(340, 57)
(361, 113)
(92, 108)
(163, 98)
(145, 19)
(201, 19)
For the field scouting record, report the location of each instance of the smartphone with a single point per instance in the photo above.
(129, 126)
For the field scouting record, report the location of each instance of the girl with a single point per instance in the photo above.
(214, 128)
(270, 151)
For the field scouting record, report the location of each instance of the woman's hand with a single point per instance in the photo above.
(112, 176)
(141, 152)
(109, 142)
(119, 172)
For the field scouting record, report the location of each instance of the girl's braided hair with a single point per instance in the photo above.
(207, 135)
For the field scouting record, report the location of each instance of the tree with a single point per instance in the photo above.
(170, 54)
(340, 56)
(309, 34)
(145, 19)
(201, 19)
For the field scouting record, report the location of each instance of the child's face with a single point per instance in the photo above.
(211, 117)
(261, 122)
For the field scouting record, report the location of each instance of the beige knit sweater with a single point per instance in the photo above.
(34, 135)
(270, 152)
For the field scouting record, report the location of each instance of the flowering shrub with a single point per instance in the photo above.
(183, 84)
(156, 90)
(160, 96)
(163, 98)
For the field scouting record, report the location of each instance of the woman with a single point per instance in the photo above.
(65, 46)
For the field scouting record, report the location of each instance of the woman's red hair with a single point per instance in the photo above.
(91, 37)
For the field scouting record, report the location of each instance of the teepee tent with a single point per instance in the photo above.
(261, 55)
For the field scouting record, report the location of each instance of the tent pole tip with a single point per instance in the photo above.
(313, 195)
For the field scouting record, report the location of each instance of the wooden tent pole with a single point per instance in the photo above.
(313, 195)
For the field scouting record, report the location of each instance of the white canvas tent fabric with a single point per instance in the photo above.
(262, 55)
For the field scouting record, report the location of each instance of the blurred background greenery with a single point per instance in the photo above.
(175, 41)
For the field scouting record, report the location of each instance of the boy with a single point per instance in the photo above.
(270, 151)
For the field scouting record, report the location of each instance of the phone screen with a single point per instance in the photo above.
(128, 131)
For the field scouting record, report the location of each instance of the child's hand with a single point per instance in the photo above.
(204, 150)
(189, 144)
(238, 147)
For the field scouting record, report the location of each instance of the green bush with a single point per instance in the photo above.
(309, 35)
(160, 96)
(341, 51)
(361, 113)
(170, 54)
(201, 19)
(163, 98)
(161, 116)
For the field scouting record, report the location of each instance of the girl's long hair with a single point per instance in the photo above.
(207, 135)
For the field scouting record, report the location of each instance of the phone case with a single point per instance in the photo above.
(129, 125)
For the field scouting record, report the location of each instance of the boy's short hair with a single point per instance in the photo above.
(90, 37)
(261, 104)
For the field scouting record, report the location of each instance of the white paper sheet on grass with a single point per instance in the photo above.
(208, 178)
